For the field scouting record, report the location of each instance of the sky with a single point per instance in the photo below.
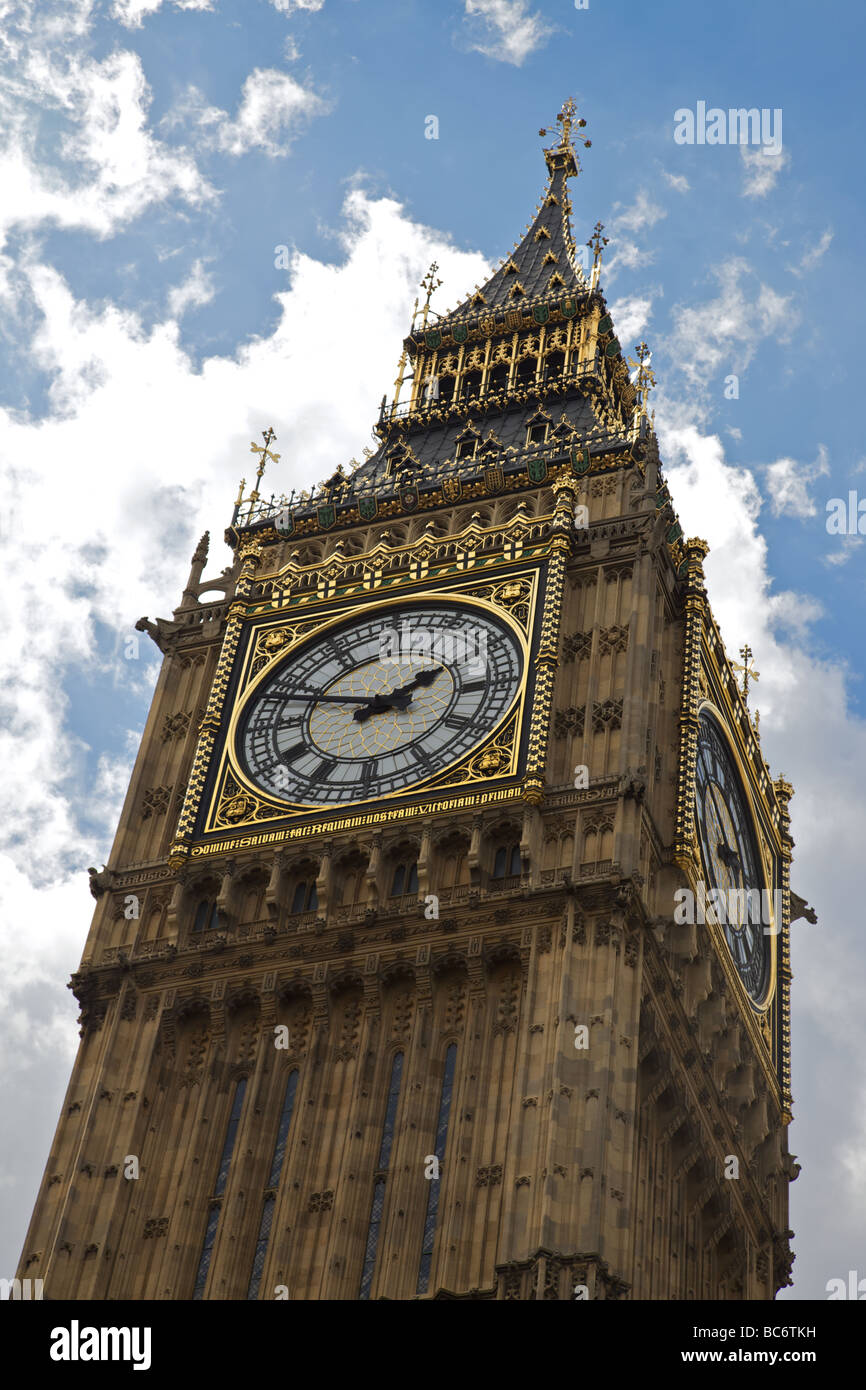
(214, 218)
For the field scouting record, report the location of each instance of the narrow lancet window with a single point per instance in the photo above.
(435, 1182)
(219, 1189)
(270, 1198)
(381, 1173)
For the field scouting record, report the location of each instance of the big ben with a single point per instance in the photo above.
(388, 993)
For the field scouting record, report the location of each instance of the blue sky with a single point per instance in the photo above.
(155, 155)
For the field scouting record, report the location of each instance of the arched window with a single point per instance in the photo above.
(498, 377)
(446, 388)
(206, 915)
(553, 365)
(305, 897)
(471, 384)
(506, 863)
(405, 879)
(525, 372)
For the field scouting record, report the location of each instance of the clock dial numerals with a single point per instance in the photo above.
(730, 855)
(395, 715)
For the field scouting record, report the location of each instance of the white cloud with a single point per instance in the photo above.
(289, 6)
(788, 484)
(642, 213)
(678, 182)
(196, 290)
(630, 315)
(508, 30)
(132, 13)
(272, 108)
(725, 332)
(813, 255)
(627, 255)
(761, 169)
(108, 167)
(847, 547)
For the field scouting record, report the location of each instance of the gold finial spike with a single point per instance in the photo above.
(567, 120)
(429, 283)
(398, 384)
(748, 671)
(596, 243)
(265, 453)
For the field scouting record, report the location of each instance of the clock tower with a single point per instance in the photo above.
(443, 947)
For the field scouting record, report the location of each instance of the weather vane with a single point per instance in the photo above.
(645, 375)
(264, 451)
(749, 672)
(429, 283)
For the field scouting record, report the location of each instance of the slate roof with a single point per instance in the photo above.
(438, 442)
(547, 250)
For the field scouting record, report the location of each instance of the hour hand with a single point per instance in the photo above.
(728, 856)
(421, 678)
(378, 703)
(395, 699)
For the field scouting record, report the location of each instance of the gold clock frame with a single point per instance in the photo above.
(767, 869)
(237, 805)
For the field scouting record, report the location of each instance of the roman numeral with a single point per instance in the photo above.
(472, 686)
(367, 772)
(295, 751)
(324, 770)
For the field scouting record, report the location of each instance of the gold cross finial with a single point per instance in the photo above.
(749, 672)
(596, 242)
(429, 283)
(264, 451)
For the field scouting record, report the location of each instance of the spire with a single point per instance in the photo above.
(544, 264)
(198, 562)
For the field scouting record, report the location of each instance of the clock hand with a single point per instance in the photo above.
(422, 678)
(396, 699)
(728, 856)
(381, 702)
(330, 699)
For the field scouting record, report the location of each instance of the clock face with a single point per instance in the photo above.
(380, 703)
(730, 855)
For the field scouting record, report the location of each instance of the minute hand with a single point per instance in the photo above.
(329, 699)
